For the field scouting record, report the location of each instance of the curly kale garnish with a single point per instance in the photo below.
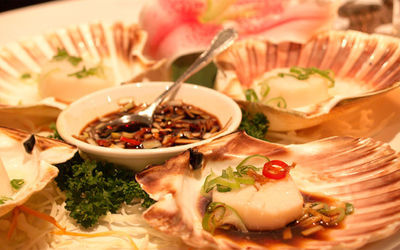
(255, 125)
(55, 134)
(95, 188)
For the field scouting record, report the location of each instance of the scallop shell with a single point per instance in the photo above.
(119, 45)
(364, 172)
(369, 60)
(15, 157)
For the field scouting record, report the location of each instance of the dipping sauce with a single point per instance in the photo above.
(175, 123)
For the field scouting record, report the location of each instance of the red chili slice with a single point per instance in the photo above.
(275, 169)
(133, 142)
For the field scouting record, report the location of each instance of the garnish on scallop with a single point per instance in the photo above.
(264, 195)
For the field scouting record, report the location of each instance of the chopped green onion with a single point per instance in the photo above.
(287, 74)
(250, 157)
(349, 208)
(280, 102)
(304, 73)
(319, 205)
(245, 180)
(220, 215)
(296, 70)
(26, 76)
(265, 88)
(17, 183)
(251, 95)
(242, 170)
(339, 212)
(206, 185)
(230, 180)
(3, 199)
(222, 189)
(231, 183)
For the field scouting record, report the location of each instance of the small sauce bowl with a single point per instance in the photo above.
(78, 114)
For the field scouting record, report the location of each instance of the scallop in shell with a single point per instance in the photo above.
(59, 67)
(363, 172)
(25, 165)
(364, 66)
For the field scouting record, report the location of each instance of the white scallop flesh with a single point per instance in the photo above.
(17, 164)
(33, 167)
(303, 95)
(296, 93)
(265, 207)
(57, 80)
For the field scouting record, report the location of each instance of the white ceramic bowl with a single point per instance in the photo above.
(77, 115)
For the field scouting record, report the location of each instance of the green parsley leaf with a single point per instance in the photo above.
(95, 71)
(254, 125)
(55, 134)
(93, 189)
(17, 183)
(62, 54)
(74, 60)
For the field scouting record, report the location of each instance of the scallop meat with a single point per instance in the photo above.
(360, 174)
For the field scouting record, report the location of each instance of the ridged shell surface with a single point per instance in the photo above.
(372, 61)
(363, 172)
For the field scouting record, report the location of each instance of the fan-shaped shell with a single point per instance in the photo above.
(371, 61)
(118, 45)
(37, 163)
(364, 172)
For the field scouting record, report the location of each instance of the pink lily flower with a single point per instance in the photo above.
(179, 27)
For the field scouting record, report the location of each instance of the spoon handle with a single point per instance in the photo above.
(221, 41)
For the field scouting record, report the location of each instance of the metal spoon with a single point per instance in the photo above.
(221, 41)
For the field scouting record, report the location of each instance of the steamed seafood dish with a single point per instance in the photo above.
(298, 86)
(59, 67)
(264, 195)
(239, 165)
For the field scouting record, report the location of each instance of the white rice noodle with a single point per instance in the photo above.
(34, 233)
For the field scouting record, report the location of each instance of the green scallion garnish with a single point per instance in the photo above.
(277, 101)
(3, 199)
(17, 183)
(26, 76)
(251, 95)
